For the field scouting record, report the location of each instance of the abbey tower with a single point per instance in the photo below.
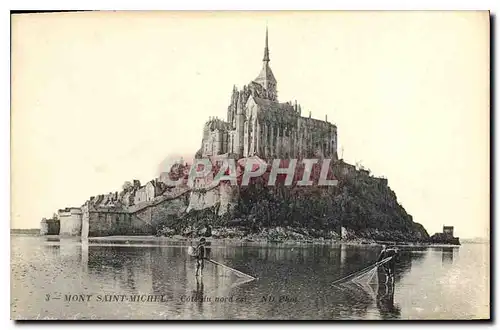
(258, 124)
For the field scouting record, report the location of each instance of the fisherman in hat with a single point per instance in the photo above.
(200, 257)
(389, 265)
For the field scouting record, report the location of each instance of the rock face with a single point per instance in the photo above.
(364, 205)
(369, 208)
(443, 238)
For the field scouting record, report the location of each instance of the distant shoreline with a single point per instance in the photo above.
(29, 231)
(141, 240)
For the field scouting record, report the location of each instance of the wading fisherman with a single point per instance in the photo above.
(200, 257)
(390, 265)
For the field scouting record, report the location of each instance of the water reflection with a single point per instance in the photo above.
(447, 255)
(375, 290)
(198, 294)
(85, 257)
(304, 274)
(304, 271)
(385, 301)
(51, 239)
(126, 268)
(407, 257)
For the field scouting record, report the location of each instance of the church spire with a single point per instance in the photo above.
(266, 50)
(266, 77)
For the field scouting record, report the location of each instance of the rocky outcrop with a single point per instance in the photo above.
(364, 205)
(443, 238)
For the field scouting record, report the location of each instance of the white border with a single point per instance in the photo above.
(492, 5)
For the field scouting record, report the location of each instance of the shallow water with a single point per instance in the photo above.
(293, 282)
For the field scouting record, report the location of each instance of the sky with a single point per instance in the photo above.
(100, 98)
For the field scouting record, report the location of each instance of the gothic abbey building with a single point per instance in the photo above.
(259, 125)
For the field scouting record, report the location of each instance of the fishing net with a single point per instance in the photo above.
(235, 272)
(233, 275)
(364, 276)
(369, 277)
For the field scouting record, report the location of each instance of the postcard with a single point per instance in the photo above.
(319, 165)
